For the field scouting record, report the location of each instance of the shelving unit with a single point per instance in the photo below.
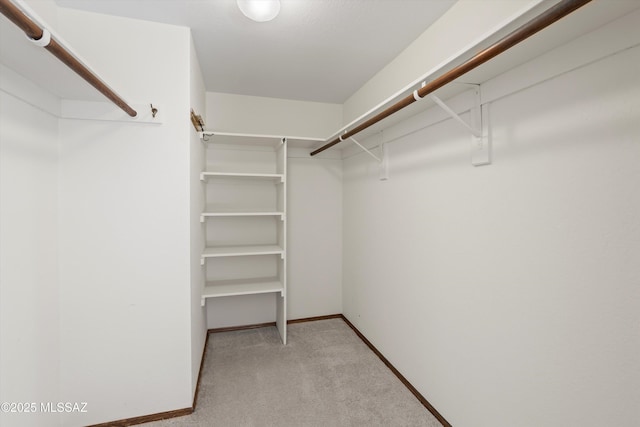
(244, 219)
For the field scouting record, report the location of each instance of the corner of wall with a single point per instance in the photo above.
(198, 313)
(29, 249)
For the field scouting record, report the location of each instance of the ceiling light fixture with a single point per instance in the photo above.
(260, 10)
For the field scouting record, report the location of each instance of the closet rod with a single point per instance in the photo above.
(548, 17)
(34, 32)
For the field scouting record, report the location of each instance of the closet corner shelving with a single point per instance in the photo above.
(245, 220)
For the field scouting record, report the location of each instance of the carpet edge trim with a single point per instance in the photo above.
(160, 416)
(397, 373)
(188, 411)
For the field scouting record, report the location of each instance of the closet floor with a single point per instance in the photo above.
(325, 376)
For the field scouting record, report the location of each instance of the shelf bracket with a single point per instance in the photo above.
(474, 131)
(479, 127)
(205, 135)
(384, 164)
(201, 260)
(383, 161)
(366, 150)
(480, 144)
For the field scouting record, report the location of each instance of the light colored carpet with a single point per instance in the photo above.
(325, 376)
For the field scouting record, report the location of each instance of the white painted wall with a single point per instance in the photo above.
(124, 224)
(198, 320)
(315, 235)
(314, 207)
(508, 294)
(271, 116)
(468, 22)
(100, 220)
(29, 287)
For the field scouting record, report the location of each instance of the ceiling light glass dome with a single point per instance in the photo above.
(260, 10)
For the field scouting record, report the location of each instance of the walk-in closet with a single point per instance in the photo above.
(286, 213)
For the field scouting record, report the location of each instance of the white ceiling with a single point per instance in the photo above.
(315, 50)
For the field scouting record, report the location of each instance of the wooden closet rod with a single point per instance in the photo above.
(34, 32)
(548, 17)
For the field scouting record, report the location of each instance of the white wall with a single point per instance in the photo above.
(29, 293)
(271, 116)
(198, 320)
(314, 207)
(468, 22)
(315, 235)
(508, 294)
(124, 228)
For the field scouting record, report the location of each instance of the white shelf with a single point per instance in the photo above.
(233, 175)
(257, 139)
(225, 288)
(250, 250)
(216, 212)
(213, 137)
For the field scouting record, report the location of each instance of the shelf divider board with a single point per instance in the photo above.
(281, 300)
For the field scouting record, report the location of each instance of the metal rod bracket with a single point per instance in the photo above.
(481, 145)
(480, 141)
(416, 95)
(384, 164)
(383, 160)
(479, 127)
(474, 130)
(366, 150)
(43, 41)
